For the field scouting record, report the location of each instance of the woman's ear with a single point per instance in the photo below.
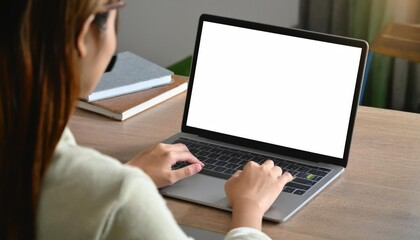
(83, 38)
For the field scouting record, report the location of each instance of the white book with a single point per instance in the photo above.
(130, 73)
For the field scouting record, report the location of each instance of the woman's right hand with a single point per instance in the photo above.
(252, 191)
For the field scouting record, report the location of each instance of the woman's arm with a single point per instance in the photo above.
(251, 192)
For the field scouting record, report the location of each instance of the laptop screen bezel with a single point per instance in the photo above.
(294, 153)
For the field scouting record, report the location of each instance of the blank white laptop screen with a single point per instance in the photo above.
(274, 88)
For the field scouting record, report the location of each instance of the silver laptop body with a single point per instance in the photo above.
(261, 91)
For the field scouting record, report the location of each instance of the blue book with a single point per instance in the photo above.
(130, 73)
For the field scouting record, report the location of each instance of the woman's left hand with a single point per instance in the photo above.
(157, 161)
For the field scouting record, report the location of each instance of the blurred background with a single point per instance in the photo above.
(164, 32)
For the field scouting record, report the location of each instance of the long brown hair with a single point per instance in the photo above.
(39, 83)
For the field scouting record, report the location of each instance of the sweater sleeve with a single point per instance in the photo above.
(141, 213)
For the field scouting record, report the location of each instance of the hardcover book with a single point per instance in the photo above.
(125, 106)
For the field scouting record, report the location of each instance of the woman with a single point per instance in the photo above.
(51, 53)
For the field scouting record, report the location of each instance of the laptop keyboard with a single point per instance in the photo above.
(220, 161)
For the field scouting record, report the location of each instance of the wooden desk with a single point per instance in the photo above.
(377, 197)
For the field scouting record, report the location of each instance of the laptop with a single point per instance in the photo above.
(260, 92)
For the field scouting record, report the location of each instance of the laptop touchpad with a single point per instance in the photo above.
(201, 189)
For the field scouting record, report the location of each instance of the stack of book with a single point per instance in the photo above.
(131, 85)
